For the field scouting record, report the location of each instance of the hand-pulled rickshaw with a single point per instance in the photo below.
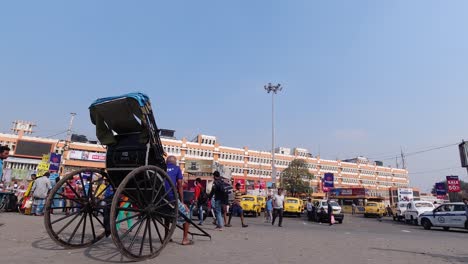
(133, 199)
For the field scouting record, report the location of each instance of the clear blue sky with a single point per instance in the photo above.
(359, 77)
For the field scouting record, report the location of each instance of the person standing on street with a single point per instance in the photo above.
(389, 210)
(175, 174)
(353, 209)
(278, 206)
(4, 153)
(39, 191)
(221, 198)
(330, 212)
(236, 207)
(268, 210)
(200, 199)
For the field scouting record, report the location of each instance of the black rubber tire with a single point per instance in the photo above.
(426, 223)
(88, 209)
(151, 217)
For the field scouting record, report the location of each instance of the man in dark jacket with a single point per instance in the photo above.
(221, 198)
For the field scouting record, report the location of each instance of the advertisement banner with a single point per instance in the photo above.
(43, 166)
(440, 189)
(405, 194)
(199, 167)
(86, 155)
(54, 161)
(348, 192)
(453, 184)
(328, 180)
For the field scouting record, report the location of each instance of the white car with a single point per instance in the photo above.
(335, 206)
(415, 208)
(449, 215)
(400, 209)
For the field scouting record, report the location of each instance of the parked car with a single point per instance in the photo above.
(448, 215)
(293, 206)
(415, 208)
(322, 212)
(399, 211)
(374, 209)
(250, 205)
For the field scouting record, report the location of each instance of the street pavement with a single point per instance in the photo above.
(23, 239)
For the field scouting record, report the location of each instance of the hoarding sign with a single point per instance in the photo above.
(54, 161)
(199, 166)
(328, 180)
(405, 194)
(440, 189)
(453, 184)
(43, 166)
(86, 155)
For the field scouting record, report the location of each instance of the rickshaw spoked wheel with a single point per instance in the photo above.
(144, 213)
(75, 207)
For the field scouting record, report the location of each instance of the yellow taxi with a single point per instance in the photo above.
(293, 206)
(262, 201)
(374, 209)
(250, 205)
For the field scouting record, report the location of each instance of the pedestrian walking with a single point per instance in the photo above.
(331, 218)
(389, 210)
(353, 209)
(39, 191)
(268, 209)
(278, 207)
(200, 200)
(236, 207)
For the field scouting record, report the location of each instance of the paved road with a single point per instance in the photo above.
(23, 240)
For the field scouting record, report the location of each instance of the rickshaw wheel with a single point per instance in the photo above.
(74, 216)
(144, 213)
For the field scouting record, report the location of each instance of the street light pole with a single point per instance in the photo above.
(273, 89)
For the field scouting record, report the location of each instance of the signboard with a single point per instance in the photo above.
(43, 166)
(348, 192)
(54, 161)
(328, 181)
(199, 166)
(453, 184)
(440, 189)
(26, 148)
(405, 194)
(86, 155)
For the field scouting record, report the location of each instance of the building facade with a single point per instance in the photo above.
(250, 167)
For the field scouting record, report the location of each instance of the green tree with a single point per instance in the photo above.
(296, 177)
